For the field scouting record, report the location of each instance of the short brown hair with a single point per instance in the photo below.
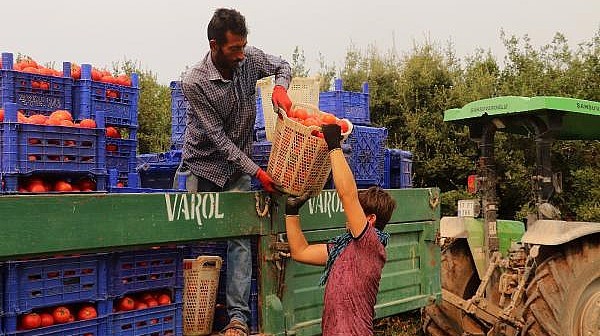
(379, 202)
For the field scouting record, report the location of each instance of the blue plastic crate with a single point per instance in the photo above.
(259, 122)
(179, 107)
(98, 326)
(150, 269)
(261, 150)
(353, 106)
(398, 169)
(159, 175)
(40, 283)
(28, 148)
(164, 320)
(406, 169)
(121, 154)
(386, 170)
(90, 96)
(24, 89)
(366, 157)
(172, 156)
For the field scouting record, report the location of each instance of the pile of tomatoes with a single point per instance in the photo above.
(56, 315)
(40, 184)
(143, 300)
(101, 76)
(56, 118)
(307, 118)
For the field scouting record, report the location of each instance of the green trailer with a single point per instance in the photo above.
(290, 300)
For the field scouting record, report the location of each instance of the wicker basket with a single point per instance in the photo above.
(299, 161)
(301, 90)
(201, 280)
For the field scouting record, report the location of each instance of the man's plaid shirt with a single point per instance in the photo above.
(220, 120)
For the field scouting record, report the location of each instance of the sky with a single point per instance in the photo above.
(166, 36)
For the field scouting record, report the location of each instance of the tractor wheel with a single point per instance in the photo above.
(563, 298)
(459, 276)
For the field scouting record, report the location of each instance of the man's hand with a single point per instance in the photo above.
(333, 135)
(293, 204)
(281, 98)
(267, 182)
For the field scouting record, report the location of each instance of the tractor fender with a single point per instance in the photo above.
(556, 232)
(453, 227)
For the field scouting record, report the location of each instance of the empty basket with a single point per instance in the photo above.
(201, 281)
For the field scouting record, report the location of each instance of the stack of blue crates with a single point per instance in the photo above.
(141, 271)
(119, 104)
(42, 284)
(30, 149)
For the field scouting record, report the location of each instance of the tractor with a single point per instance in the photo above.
(540, 276)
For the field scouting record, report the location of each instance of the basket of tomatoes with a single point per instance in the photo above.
(299, 159)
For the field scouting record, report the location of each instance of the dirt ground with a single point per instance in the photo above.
(406, 324)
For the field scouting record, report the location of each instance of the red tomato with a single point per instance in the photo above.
(343, 125)
(87, 313)
(301, 113)
(87, 123)
(126, 303)
(38, 119)
(164, 299)
(328, 118)
(61, 314)
(31, 321)
(62, 115)
(112, 132)
(151, 303)
(62, 186)
(140, 305)
(85, 184)
(47, 319)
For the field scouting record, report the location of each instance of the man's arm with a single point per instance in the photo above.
(269, 65)
(301, 251)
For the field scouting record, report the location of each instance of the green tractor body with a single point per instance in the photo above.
(505, 277)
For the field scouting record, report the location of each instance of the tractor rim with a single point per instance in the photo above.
(589, 321)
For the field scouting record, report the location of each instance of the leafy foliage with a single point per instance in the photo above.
(409, 95)
(154, 109)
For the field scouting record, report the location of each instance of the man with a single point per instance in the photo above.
(217, 149)
(354, 260)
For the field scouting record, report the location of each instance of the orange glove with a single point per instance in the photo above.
(281, 99)
(267, 181)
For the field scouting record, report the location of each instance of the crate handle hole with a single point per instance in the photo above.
(71, 281)
(34, 277)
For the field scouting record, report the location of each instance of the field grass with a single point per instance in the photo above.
(406, 324)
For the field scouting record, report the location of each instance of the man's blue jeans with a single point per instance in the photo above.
(239, 257)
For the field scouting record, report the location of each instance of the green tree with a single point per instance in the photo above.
(154, 108)
(299, 63)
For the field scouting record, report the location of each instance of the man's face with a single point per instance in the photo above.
(231, 53)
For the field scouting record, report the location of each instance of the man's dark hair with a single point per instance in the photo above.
(377, 201)
(225, 20)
